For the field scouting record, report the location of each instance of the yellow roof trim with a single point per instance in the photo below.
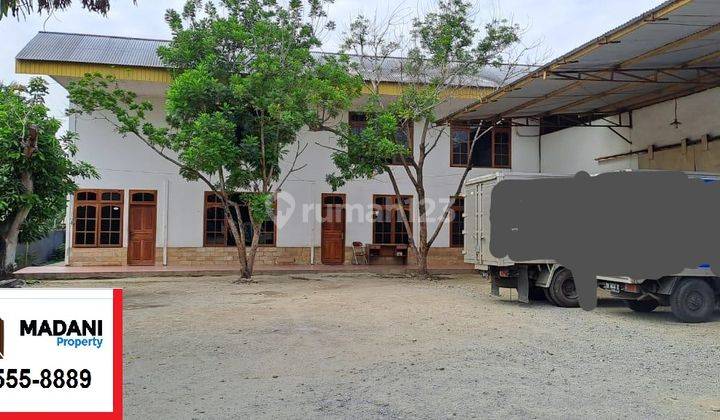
(395, 89)
(65, 69)
(160, 75)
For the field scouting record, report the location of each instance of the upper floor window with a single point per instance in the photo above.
(403, 135)
(492, 149)
(98, 218)
(357, 121)
(217, 232)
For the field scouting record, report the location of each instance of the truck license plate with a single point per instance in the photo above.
(613, 287)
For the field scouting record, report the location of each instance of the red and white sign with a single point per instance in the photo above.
(61, 353)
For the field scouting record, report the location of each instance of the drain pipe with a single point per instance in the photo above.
(72, 126)
(313, 225)
(165, 222)
(539, 153)
(68, 227)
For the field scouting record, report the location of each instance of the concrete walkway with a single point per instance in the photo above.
(63, 272)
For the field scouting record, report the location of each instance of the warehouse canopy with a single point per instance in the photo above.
(668, 52)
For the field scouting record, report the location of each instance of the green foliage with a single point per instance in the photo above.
(251, 67)
(58, 254)
(365, 154)
(245, 82)
(446, 51)
(447, 37)
(51, 165)
(25, 259)
(16, 8)
(261, 205)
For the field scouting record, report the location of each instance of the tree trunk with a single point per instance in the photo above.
(254, 245)
(399, 207)
(11, 232)
(423, 247)
(239, 236)
(10, 238)
(423, 261)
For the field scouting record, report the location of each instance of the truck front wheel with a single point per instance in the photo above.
(562, 289)
(647, 305)
(693, 300)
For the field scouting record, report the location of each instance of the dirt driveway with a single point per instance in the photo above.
(361, 345)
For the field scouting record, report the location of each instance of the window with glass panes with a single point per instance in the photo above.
(403, 135)
(457, 223)
(97, 218)
(388, 227)
(217, 232)
(492, 149)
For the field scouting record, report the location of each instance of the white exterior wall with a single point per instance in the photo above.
(575, 149)
(441, 181)
(129, 164)
(699, 114)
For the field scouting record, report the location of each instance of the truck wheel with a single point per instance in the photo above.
(693, 300)
(562, 289)
(549, 297)
(645, 306)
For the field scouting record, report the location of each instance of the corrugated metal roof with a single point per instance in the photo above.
(391, 69)
(94, 49)
(668, 52)
(139, 52)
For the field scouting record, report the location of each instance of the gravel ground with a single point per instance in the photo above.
(362, 345)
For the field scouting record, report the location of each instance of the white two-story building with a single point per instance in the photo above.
(642, 96)
(141, 211)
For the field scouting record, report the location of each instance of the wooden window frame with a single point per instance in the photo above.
(206, 206)
(470, 129)
(357, 124)
(453, 208)
(141, 203)
(98, 203)
(226, 228)
(408, 127)
(508, 130)
(466, 129)
(410, 130)
(393, 207)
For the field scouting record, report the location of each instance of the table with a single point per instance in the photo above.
(398, 253)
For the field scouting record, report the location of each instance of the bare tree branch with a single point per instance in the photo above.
(299, 151)
(401, 209)
(458, 190)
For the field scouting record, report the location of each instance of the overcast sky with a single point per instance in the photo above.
(560, 25)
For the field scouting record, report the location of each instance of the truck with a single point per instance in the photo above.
(693, 294)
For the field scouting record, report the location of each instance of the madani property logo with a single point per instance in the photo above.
(62, 331)
(73, 334)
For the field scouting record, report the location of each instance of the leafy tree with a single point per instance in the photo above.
(24, 7)
(36, 168)
(446, 51)
(245, 83)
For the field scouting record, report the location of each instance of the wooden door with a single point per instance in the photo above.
(142, 222)
(332, 235)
